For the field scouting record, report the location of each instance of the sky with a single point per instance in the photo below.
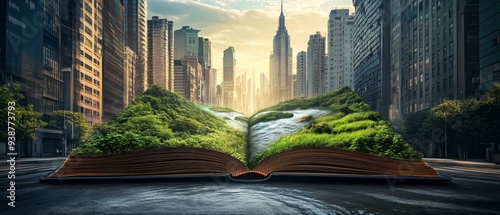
(248, 25)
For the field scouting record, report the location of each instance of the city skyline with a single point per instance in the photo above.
(248, 26)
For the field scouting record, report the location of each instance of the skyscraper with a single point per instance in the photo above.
(371, 34)
(130, 59)
(159, 72)
(300, 91)
(136, 38)
(440, 57)
(339, 70)
(315, 65)
(229, 77)
(112, 59)
(205, 56)
(281, 64)
(88, 87)
(30, 57)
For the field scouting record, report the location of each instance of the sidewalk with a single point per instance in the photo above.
(35, 160)
(478, 164)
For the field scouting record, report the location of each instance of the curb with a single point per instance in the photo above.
(462, 163)
(5, 162)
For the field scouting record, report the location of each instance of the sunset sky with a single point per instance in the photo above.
(248, 25)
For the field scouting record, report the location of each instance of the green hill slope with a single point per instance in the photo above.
(161, 119)
(351, 125)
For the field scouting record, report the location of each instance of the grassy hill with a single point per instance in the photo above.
(161, 119)
(351, 125)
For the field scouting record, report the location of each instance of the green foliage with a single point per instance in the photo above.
(242, 118)
(86, 149)
(61, 119)
(342, 100)
(222, 109)
(269, 117)
(26, 119)
(351, 125)
(161, 119)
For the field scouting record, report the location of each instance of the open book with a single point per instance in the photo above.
(162, 134)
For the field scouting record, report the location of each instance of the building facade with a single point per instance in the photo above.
(434, 54)
(159, 72)
(30, 56)
(88, 87)
(370, 39)
(315, 65)
(339, 68)
(112, 60)
(300, 90)
(489, 43)
(186, 76)
(136, 37)
(281, 64)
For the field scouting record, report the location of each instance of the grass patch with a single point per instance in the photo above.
(242, 119)
(222, 109)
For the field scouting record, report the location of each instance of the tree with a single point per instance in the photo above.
(445, 110)
(27, 121)
(72, 123)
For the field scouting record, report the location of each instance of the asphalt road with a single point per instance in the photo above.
(472, 191)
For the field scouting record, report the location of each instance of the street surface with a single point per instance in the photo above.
(472, 191)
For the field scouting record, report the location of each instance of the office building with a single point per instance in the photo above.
(280, 73)
(370, 39)
(229, 77)
(339, 69)
(315, 65)
(136, 37)
(112, 59)
(159, 72)
(300, 89)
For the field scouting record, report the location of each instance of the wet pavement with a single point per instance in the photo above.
(472, 191)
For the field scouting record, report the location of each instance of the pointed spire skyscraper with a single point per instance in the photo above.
(280, 67)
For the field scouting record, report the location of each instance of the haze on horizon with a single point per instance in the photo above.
(248, 25)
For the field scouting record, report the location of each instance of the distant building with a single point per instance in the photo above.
(130, 59)
(280, 73)
(185, 79)
(136, 37)
(489, 43)
(315, 65)
(300, 91)
(229, 77)
(112, 58)
(159, 72)
(186, 42)
(339, 68)
(205, 59)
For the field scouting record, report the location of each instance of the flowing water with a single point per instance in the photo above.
(229, 117)
(264, 133)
